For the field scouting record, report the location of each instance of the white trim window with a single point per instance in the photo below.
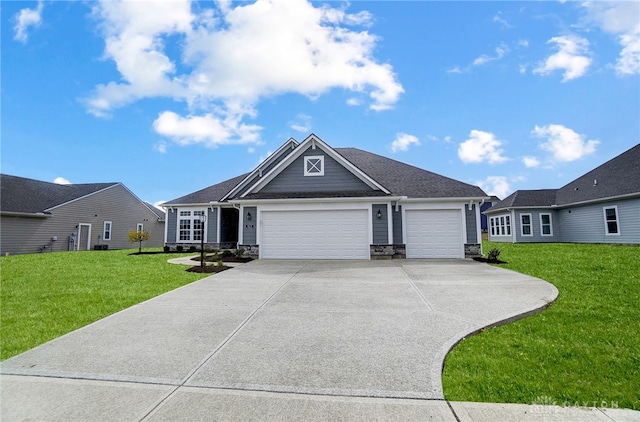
(106, 230)
(526, 228)
(190, 227)
(140, 227)
(314, 165)
(546, 226)
(501, 226)
(611, 224)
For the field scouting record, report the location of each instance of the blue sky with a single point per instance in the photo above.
(169, 97)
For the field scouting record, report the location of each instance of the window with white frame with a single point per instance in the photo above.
(106, 230)
(501, 226)
(525, 225)
(190, 226)
(546, 228)
(140, 227)
(314, 165)
(611, 220)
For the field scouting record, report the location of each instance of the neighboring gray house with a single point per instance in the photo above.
(38, 216)
(603, 206)
(308, 200)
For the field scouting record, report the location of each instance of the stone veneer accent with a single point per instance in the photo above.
(472, 249)
(387, 251)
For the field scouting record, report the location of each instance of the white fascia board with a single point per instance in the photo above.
(317, 143)
(464, 200)
(367, 199)
(291, 143)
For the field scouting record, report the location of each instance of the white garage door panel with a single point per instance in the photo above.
(340, 234)
(434, 234)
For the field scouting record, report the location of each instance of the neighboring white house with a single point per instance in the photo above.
(311, 201)
(602, 206)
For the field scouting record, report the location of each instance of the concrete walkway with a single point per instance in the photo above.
(285, 340)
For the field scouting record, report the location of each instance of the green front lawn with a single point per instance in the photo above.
(583, 350)
(44, 296)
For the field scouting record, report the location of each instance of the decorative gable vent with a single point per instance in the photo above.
(314, 165)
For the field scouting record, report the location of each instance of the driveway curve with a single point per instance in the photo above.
(275, 332)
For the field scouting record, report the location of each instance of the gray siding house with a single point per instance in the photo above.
(38, 216)
(308, 200)
(602, 206)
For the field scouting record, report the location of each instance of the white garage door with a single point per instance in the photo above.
(340, 234)
(434, 234)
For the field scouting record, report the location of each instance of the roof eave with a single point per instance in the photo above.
(26, 214)
(597, 200)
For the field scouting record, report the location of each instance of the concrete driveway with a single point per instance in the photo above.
(285, 340)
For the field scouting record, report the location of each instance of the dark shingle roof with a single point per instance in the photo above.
(19, 194)
(209, 194)
(617, 177)
(404, 179)
(527, 198)
(159, 213)
(397, 177)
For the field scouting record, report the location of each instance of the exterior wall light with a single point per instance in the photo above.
(249, 216)
(379, 214)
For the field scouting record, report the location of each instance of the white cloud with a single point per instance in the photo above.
(403, 141)
(157, 205)
(61, 181)
(495, 186)
(208, 130)
(301, 123)
(498, 18)
(563, 143)
(481, 146)
(484, 59)
(572, 57)
(25, 19)
(160, 147)
(530, 161)
(233, 55)
(455, 69)
(620, 18)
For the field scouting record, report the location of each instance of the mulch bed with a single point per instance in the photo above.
(489, 261)
(207, 269)
(209, 258)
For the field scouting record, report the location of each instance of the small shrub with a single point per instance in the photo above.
(239, 252)
(167, 249)
(192, 248)
(179, 248)
(227, 253)
(220, 263)
(493, 254)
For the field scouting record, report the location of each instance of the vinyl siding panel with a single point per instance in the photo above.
(536, 228)
(249, 227)
(212, 226)
(172, 225)
(380, 225)
(396, 217)
(115, 204)
(471, 223)
(336, 177)
(585, 224)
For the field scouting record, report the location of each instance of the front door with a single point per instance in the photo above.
(83, 243)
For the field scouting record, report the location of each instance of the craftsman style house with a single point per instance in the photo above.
(38, 216)
(602, 206)
(308, 200)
